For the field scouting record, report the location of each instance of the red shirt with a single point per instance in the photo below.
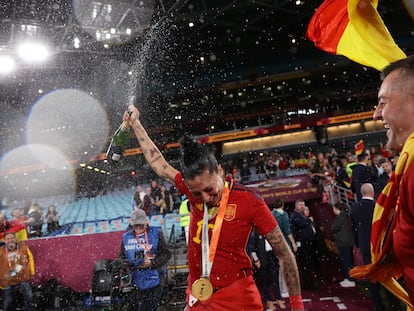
(403, 235)
(245, 209)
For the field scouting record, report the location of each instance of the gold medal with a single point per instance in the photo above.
(202, 289)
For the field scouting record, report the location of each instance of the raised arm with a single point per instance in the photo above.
(152, 154)
(290, 268)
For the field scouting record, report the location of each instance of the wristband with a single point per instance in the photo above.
(296, 302)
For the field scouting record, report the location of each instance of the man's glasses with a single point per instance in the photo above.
(139, 226)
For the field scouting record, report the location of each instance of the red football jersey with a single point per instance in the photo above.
(245, 209)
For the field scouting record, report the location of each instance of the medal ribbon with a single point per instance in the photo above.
(202, 289)
(209, 248)
(206, 265)
(219, 222)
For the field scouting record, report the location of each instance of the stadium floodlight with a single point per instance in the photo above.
(33, 52)
(6, 64)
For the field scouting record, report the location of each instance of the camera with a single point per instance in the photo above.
(139, 255)
(139, 258)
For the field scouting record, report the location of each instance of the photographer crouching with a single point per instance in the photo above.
(145, 249)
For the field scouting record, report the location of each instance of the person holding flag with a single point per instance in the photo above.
(17, 269)
(353, 28)
(392, 245)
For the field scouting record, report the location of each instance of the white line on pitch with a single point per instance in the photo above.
(334, 298)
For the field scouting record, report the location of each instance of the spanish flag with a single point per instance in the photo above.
(353, 28)
(359, 147)
(20, 231)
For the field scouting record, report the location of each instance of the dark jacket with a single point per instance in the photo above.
(382, 181)
(342, 178)
(301, 227)
(361, 218)
(342, 230)
(258, 246)
(361, 174)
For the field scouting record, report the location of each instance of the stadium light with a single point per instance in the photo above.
(33, 52)
(6, 64)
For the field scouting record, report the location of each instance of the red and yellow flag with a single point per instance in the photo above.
(353, 28)
(19, 229)
(359, 147)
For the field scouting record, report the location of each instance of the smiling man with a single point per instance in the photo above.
(16, 271)
(222, 215)
(392, 244)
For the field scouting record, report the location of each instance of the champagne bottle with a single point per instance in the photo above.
(120, 141)
(121, 136)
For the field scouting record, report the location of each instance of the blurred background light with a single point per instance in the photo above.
(33, 52)
(7, 64)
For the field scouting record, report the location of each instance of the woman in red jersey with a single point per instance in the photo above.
(222, 215)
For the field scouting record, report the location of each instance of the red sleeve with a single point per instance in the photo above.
(179, 183)
(183, 189)
(263, 218)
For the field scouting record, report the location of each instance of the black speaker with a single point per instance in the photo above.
(102, 278)
(321, 135)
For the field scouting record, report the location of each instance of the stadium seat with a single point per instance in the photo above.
(156, 221)
(172, 227)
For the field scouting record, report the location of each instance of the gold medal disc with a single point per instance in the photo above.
(202, 289)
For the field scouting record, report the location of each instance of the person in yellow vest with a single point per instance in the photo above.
(16, 270)
(351, 158)
(185, 216)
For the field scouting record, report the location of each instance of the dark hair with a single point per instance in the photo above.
(406, 65)
(362, 157)
(278, 203)
(196, 158)
(54, 212)
(383, 160)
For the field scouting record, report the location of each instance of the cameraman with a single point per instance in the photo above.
(145, 249)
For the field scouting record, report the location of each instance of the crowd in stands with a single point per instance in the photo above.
(28, 222)
(156, 199)
(330, 165)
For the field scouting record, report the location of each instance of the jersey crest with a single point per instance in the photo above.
(230, 212)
